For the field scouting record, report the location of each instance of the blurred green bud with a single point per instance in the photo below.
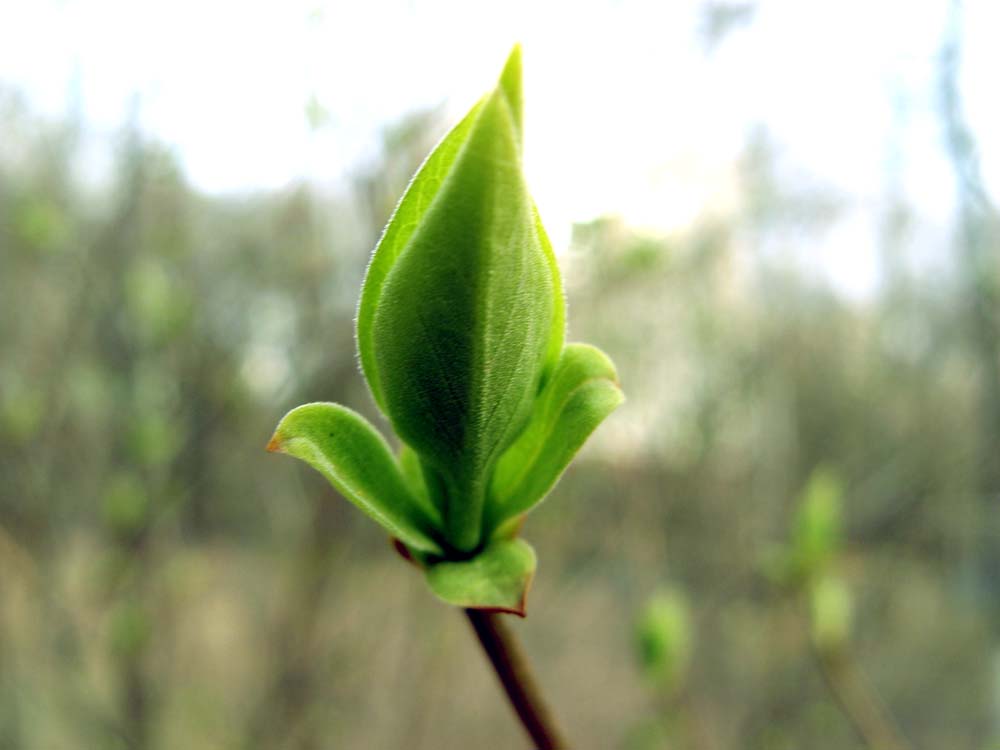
(461, 339)
(817, 529)
(832, 612)
(664, 638)
(125, 504)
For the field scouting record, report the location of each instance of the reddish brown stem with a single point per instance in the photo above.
(515, 675)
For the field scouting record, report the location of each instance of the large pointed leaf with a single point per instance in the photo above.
(405, 219)
(465, 315)
(496, 579)
(353, 456)
(582, 391)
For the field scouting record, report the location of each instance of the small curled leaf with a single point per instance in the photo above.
(354, 457)
(497, 579)
(581, 392)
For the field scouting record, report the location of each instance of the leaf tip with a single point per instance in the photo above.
(510, 84)
(512, 68)
(274, 445)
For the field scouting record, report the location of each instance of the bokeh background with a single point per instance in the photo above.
(779, 219)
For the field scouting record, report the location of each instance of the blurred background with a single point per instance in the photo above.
(779, 219)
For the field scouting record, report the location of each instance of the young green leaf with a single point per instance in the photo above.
(353, 456)
(581, 392)
(496, 579)
(405, 219)
(464, 311)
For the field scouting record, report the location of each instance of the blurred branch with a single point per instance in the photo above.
(959, 137)
(857, 700)
(282, 716)
(978, 238)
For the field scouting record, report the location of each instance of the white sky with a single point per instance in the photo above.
(624, 110)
